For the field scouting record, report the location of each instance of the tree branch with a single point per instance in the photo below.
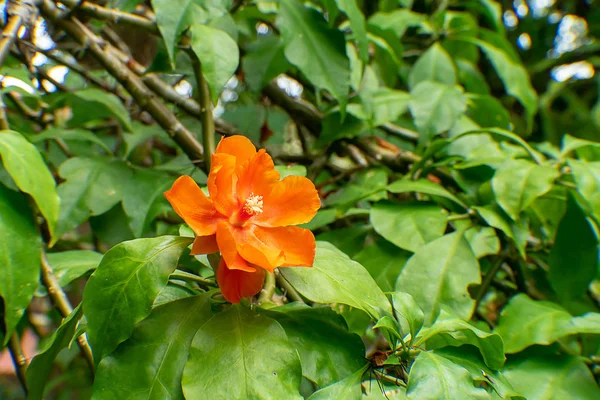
(61, 302)
(206, 110)
(19, 360)
(110, 14)
(9, 34)
(146, 99)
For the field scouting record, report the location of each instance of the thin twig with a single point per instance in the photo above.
(3, 117)
(110, 14)
(186, 276)
(9, 35)
(63, 305)
(487, 281)
(145, 98)
(206, 110)
(19, 360)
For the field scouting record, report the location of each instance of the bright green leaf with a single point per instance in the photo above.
(73, 264)
(218, 54)
(384, 261)
(26, 167)
(409, 226)
(346, 389)
(408, 313)
(70, 134)
(239, 354)
(423, 186)
(121, 291)
(438, 275)
(160, 344)
(335, 278)
(434, 65)
(357, 23)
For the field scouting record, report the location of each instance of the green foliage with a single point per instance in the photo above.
(454, 147)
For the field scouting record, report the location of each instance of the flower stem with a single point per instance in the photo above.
(268, 289)
(186, 276)
(290, 292)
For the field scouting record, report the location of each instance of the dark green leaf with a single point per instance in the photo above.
(239, 354)
(573, 260)
(357, 23)
(408, 313)
(160, 344)
(423, 186)
(317, 50)
(384, 261)
(264, 60)
(70, 134)
(438, 275)
(91, 187)
(40, 367)
(121, 291)
(20, 245)
(311, 330)
(92, 104)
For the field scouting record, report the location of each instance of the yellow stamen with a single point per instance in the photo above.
(254, 204)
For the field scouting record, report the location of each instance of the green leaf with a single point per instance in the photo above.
(358, 25)
(573, 260)
(70, 265)
(40, 367)
(487, 111)
(335, 278)
(470, 359)
(438, 275)
(218, 54)
(121, 291)
(498, 219)
(409, 226)
(26, 167)
(518, 183)
(398, 20)
(317, 50)
(388, 105)
(433, 377)
(20, 246)
(510, 70)
(366, 185)
(142, 197)
(239, 354)
(587, 179)
(525, 322)
(552, 378)
(483, 241)
(91, 187)
(384, 261)
(160, 344)
(70, 134)
(449, 331)
(504, 134)
(423, 186)
(310, 330)
(93, 104)
(434, 65)
(175, 16)
(346, 389)
(263, 61)
(570, 143)
(435, 107)
(408, 313)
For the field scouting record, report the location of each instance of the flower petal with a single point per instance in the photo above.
(229, 250)
(190, 203)
(236, 284)
(257, 176)
(297, 244)
(205, 245)
(292, 201)
(222, 181)
(257, 251)
(238, 146)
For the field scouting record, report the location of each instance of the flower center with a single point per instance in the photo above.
(254, 204)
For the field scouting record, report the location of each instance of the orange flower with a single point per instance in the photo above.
(248, 216)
